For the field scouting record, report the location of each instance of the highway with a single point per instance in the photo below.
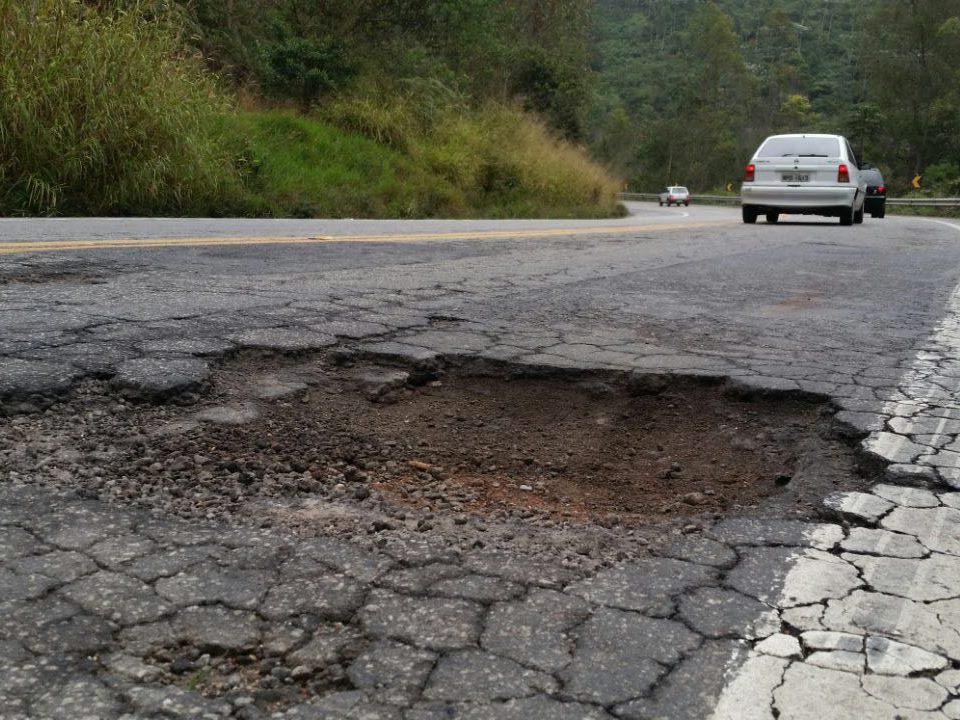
(771, 611)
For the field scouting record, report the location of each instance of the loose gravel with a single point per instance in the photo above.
(586, 470)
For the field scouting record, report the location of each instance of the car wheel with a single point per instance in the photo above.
(686, 204)
(749, 214)
(661, 203)
(773, 217)
(858, 216)
(883, 211)
(846, 216)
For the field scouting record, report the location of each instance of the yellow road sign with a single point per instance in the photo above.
(729, 187)
(916, 181)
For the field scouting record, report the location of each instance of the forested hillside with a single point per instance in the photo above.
(453, 107)
(280, 107)
(687, 88)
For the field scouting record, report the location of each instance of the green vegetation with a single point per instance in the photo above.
(453, 107)
(101, 112)
(688, 88)
(497, 162)
(535, 52)
(282, 107)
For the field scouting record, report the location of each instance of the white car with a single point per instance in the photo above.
(674, 194)
(806, 175)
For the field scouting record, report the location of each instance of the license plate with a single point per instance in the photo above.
(795, 178)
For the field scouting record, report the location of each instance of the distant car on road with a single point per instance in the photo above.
(806, 175)
(876, 202)
(674, 194)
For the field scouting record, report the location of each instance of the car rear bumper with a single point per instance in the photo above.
(874, 202)
(811, 198)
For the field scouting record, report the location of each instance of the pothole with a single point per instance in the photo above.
(362, 447)
(21, 274)
(259, 674)
(44, 278)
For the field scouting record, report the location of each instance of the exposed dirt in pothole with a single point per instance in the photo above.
(583, 451)
(39, 277)
(40, 270)
(551, 448)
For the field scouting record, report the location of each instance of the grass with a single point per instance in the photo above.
(500, 161)
(944, 212)
(303, 167)
(103, 112)
(483, 164)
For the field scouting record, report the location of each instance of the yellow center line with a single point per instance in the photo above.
(61, 245)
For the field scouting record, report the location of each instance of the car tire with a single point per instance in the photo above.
(749, 214)
(686, 204)
(883, 211)
(773, 217)
(846, 216)
(661, 203)
(858, 216)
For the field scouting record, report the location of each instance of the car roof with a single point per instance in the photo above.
(809, 135)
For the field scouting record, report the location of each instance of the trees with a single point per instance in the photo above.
(682, 79)
(535, 52)
(703, 81)
(712, 100)
(909, 55)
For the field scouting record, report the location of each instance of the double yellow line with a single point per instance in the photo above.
(120, 243)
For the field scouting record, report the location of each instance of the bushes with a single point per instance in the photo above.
(496, 162)
(102, 113)
(308, 168)
(305, 69)
(503, 161)
(942, 180)
(510, 164)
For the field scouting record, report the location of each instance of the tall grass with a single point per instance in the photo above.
(503, 161)
(510, 164)
(305, 167)
(102, 112)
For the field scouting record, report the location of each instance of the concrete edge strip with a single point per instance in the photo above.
(753, 682)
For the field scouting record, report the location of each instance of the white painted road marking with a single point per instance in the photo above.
(748, 693)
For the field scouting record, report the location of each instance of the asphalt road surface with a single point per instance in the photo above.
(754, 617)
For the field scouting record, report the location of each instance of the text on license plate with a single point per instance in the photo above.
(795, 178)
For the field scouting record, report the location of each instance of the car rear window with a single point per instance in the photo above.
(800, 147)
(872, 177)
(678, 189)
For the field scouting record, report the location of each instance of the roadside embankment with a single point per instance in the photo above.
(104, 111)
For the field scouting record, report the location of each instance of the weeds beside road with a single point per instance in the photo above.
(104, 112)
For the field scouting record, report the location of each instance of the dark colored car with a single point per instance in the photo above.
(876, 201)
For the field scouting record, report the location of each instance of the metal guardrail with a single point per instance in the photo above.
(735, 200)
(731, 199)
(925, 202)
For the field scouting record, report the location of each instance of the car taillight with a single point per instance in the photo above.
(749, 173)
(843, 174)
(881, 190)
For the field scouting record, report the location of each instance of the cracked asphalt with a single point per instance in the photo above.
(109, 611)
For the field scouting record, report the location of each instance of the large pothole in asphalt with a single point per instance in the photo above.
(325, 439)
